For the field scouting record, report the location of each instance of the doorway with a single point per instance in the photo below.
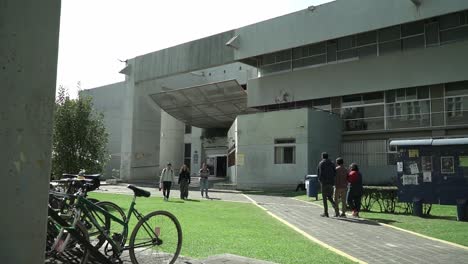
(221, 166)
(217, 165)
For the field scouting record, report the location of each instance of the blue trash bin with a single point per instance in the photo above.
(462, 208)
(417, 207)
(312, 186)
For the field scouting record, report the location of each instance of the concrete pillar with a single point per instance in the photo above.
(140, 132)
(172, 141)
(196, 150)
(29, 32)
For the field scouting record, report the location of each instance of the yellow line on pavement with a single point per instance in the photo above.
(401, 229)
(335, 250)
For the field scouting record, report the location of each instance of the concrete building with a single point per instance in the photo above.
(387, 69)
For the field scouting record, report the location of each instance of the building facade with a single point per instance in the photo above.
(387, 69)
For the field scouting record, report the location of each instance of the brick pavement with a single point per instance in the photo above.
(365, 240)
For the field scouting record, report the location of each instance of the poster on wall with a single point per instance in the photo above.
(447, 165)
(427, 176)
(400, 166)
(240, 159)
(463, 161)
(414, 168)
(410, 179)
(426, 163)
(413, 153)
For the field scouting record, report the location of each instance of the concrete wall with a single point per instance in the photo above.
(256, 134)
(195, 55)
(109, 101)
(328, 21)
(29, 32)
(324, 136)
(334, 20)
(398, 70)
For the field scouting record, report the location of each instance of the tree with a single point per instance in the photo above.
(80, 138)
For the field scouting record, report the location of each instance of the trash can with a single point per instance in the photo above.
(462, 208)
(417, 207)
(311, 182)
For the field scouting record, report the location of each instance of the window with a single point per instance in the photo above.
(366, 153)
(453, 27)
(408, 107)
(360, 99)
(285, 151)
(363, 111)
(188, 129)
(389, 34)
(456, 103)
(324, 104)
(285, 155)
(285, 141)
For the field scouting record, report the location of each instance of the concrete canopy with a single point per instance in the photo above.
(214, 105)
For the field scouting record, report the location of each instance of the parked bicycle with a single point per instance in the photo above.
(156, 238)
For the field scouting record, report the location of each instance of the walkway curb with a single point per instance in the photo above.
(401, 229)
(313, 239)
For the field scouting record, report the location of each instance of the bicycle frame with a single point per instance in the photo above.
(86, 205)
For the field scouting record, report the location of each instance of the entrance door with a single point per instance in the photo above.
(211, 165)
(221, 166)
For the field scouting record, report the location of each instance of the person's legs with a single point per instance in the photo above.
(327, 193)
(183, 184)
(341, 197)
(324, 198)
(169, 184)
(334, 204)
(201, 185)
(164, 187)
(358, 204)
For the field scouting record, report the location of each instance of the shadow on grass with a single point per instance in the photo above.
(192, 200)
(442, 217)
(175, 201)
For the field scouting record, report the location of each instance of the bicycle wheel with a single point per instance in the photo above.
(96, 238)
(157, 238)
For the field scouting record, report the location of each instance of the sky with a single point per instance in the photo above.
(96, 34)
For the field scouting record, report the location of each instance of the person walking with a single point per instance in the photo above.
(204, 173)
(326, 176)
(166, 179)
(184, 181)
(355, 189)
(341, 185)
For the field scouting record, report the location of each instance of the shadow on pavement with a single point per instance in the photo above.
(358, 221)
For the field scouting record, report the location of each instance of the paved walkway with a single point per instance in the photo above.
(368, 241)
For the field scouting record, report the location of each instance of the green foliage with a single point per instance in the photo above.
(217, 227)
(80, 138)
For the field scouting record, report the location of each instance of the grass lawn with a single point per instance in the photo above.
(215, 227)
(441, 224)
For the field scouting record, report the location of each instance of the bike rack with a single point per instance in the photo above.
(94, 251)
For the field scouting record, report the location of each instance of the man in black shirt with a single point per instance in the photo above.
(326, 175)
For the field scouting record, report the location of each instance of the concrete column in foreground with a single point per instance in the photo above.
(29, 32)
